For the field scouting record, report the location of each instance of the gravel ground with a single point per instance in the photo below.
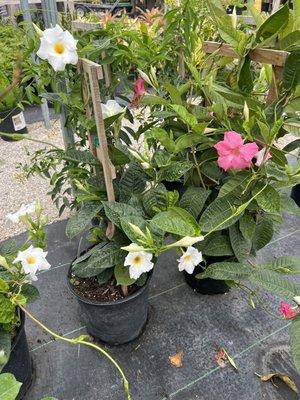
(15, 190)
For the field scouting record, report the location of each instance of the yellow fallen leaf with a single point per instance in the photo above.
(283, 377)
(176, 359)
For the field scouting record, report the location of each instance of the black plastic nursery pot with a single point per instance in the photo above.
(12, 121)
(295, 194)
(19, 363)
(206, 286)
(115, 322)
(176, 185)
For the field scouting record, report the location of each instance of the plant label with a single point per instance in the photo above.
(19, 121)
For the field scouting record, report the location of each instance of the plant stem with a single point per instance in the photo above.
(81, 340)
(124, 289)
(197, 167)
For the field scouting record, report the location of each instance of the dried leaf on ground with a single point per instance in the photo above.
(283, 377)
(176, 359)
(222, 356)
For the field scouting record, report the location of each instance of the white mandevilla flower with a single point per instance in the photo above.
(138, 262)
(111, 108)
(189, 260)
(33, 260)
(58, 47)
(23, 210)
(261, 157)
(297, 300)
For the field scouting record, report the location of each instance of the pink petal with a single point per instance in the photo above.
(233, 139)
(222, 148)
(248, 151)
(239, 162)
(224, 162)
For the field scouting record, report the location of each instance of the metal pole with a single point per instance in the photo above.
(27, 17)
(50, 17)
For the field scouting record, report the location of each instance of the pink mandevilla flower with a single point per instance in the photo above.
(233, 153)
(287, 310)
(139, 90)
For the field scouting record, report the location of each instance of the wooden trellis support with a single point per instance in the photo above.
(91, 74)
(276, 58)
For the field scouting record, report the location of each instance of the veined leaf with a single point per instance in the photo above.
(174, 93)
(134, 179)
(193, 200)
(247, 226)
(263, 233)
(284, 264)
(273, 25)
(291, 71)
(235, 182)
(176, 220)
(187, 140)
(155, 200)
(268, 199)
(216, 245)
(240, 245)
(174, 171)
(78, 222)
(288, 205)
(186, 116)
(9, 387)
(220, 214)
(164, 138)
(122, 275)
(115, 211)
(275, 283)
(151, 100)
(227, 271)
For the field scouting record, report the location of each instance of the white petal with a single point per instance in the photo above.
(69, 41)
(135, 272)
(70, 57)
(43, 51)
(129, 258)
(52, 34)
(57, 63)
(13, 217)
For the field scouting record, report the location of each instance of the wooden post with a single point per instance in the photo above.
(94, 73)
(276, 78)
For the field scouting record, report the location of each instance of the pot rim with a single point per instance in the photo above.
(83, 299)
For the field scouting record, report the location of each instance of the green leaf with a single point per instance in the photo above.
(115, 211)
(105, 276)
(5, 347)
(216, 245)
(30, 292)
(155, 200)
(288, 205)
(245, 78)
(188, 140)
(295, 144)
(238, 181)
(150, 100)
(273, 25)
(85, 157)
(4, 287)
(186, 116)
(290, 41)
(263, 233)
(220, 214)
(284, 264)
(174, 171)
(7, 310)
(193, 200)
(106, 257)
(164, 138)
(275, 284)
(128, 229)
(295, 342)
(227, 271)
(117, 157)
(268, 199)
(78, 222)
(122, 275)
(239, 244)
(134, 179)
(9, 387)
(247, 226)
(174, 93)
(291, 71)
(176, 220)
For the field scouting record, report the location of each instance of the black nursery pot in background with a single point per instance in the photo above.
(207, 285)
(115, 322)
(12, 121)
(19, 363)
(171, 186)
(295, 194)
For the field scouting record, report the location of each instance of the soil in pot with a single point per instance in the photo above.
(107, 314)
(207, 285)
(19, 363)
(12, 121)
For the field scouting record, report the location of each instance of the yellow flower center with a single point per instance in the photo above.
(137, 260)
(187, 258)
(59, 48)
(31, 260)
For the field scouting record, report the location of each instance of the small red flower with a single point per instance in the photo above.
(287, 310)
